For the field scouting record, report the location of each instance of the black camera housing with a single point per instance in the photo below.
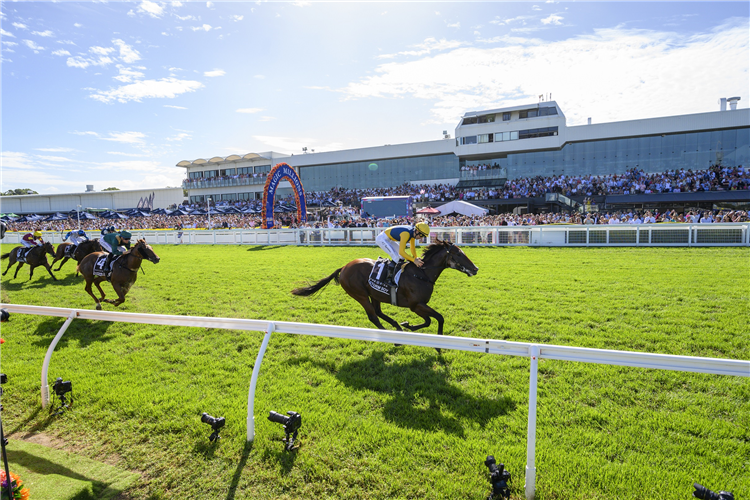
(61, 388)
(291, 424)
(499, 478)
(3, 378)
(706, 494)
(215, 423)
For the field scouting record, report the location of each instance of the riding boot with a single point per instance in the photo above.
(108, 265)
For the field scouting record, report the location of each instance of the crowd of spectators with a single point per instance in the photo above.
(195, 180)
(340, 207)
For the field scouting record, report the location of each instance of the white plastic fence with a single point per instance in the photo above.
(715, 366)
(679, 235)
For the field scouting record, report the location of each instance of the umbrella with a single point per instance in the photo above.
(114, 215)
(86, 216)
(160, 211)
(138, 213)
(57, 216)
(178, 212)
(428, 211)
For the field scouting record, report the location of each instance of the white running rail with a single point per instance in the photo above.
(534, 352)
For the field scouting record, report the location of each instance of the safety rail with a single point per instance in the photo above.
(668, 234)
(532, 351)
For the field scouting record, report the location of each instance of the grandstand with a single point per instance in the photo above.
(497, 146)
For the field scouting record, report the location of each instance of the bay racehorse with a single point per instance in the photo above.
(85, 248)
(37, 256)
(415, 285)
(124, 271)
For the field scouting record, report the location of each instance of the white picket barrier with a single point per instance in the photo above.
(534, 352)
(617, 235)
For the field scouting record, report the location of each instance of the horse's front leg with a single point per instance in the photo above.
(49, 270)
(88, 290)
(426, 312)
(121, 289)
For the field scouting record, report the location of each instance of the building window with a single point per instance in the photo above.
(506, 117)
(484, 138)
(487, 119)
(472, 139)
(471, 120)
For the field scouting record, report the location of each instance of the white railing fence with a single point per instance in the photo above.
(678, 235)
(534, 352)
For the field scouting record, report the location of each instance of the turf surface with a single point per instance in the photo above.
(401, 422)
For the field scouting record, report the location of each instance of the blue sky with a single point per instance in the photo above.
(114, 94)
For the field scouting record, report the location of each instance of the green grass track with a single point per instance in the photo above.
(382, 422)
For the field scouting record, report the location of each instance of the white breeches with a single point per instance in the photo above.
(389, 246)
(106, 246)
(27, 244)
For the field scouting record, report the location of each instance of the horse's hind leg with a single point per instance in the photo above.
(372, 315)
(49, 270)
(20, 265)
(88, 290)
(65, 259)
(10, 263)
(379, 311)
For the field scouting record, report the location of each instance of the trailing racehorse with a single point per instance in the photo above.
(124, 271)
(415, 285)
(81, 251)
(36, 256)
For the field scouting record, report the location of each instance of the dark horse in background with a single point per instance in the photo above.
(85, 248)
(124, 271)
(415, 285)
(37, 256)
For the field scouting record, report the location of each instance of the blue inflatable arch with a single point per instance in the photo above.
(277, 174)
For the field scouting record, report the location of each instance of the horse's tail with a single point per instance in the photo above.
(312, 289)
(4, 256)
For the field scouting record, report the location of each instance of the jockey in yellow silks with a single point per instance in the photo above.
(395, 239)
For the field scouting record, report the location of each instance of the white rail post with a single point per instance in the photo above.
(254, 382)
(531, 433)
(48, 357)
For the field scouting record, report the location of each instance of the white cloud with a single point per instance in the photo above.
(176, 4)
(209, 4)
(151, 8)
(249, 110)
(127, 75)
(237, 17)
(267, 118)
(77, 25)
(101, 51)
(56, 150)
(65, 42)
(46, 33)
(61, 52)
(20, 26)
(553, 19)
(88, 132)
(165, 88)
(127, 53)
(216, 72)
(179, 137)
(174, 107)
(186, 18)
(612, 74)
(536, 7)
(125, 137)
(510, 20)
(33, 46)
(454, 25)
(5, 33)
(9, 44)
(291, 144)
(205, 27)
(426, 47)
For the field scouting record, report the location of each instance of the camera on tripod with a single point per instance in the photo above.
(499, 478)
(216, 425)
(61, 389)
(291, 424)
(706, 494)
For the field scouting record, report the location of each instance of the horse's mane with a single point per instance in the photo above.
(433, 248)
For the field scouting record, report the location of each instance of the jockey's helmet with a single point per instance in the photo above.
(81, 232)
(124, 235)
(37, 234)
(422, 229)
(111, 229)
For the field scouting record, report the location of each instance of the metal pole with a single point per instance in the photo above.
(531, 436)
(254, 382)
(78, 213)
(48, 357)
(208, 203)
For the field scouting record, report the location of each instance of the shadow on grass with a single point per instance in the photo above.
(422, 397)
(31, 416)
(285, 459)
(83, 331)
(44, 466)
(257, 248)
(22, 282)
(238, 471)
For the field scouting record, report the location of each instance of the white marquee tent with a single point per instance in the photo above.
(462, 208)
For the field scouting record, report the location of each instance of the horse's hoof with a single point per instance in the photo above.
(98, 307)
(439, 351)
(397, 345)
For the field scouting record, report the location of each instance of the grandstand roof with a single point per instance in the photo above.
(228, 159)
